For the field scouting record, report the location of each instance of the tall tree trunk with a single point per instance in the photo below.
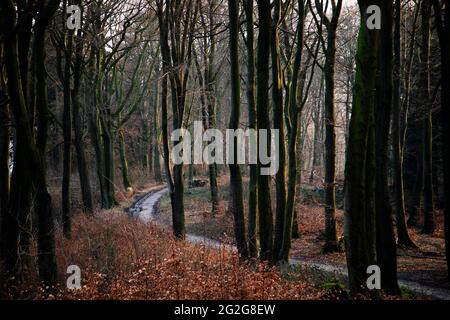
(156, 137)
(96, 137)
(414, 202)
(211, 106)
(443, 26)
(145, 143)
(386, 246)
(445, 101)
(178, 219)
(24, 45)
(165, 138)
(16, 223)
(251, 110)
(235, 172)
(278, 117)
(428, 202)
(399, 196)
(318, 135)
(214, 189)
(108, 157)
(331, 243)
(208, 121)
(5, 161)
(176, 184)
(149, 138)
(264, 202)
(85, 184)
(294, 112)
(46, 229)
(425, 99)
(124, 163)
(359, 170)
(176, 61)
(67, 134)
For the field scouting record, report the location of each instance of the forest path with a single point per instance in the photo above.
(146, 208)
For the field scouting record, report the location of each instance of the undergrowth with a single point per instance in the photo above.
(122, 258)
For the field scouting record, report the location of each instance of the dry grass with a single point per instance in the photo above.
(122, 258)
(425, 265)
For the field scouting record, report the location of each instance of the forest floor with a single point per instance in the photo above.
(122, 257)
(423, 269)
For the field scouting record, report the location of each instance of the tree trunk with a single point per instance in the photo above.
(124, 163)
(176, 190)
(67, 134)
(264, 202)
(278, 117)
(318, 133)
(425, 99)
(235, 172)
(251, 109)
(290, 228)
(94, 128)
(360, 170)
(145, 143)
(386, 246)
(414, 202)
(445, 101)
(165, 55)
(428, 205)
(176, 61)
(156, 138)
(4, 155)
(208, 121)
(331, 243)
(10, 197)
(46, 229)
(402, 230)
(108, 156)
(211, 107)
(443, 26)
(85, 183)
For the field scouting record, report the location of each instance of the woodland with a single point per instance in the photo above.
(92, 92)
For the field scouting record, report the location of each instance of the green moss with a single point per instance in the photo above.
(335, 289)
(407, 293)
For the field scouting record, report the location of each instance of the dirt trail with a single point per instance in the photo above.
(146, 209)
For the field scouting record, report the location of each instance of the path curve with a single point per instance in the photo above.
(146, 209)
